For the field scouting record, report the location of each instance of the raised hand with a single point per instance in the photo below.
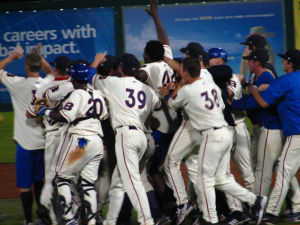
(152, 11)
(17, 53)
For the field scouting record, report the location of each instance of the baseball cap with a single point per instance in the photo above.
(292, 55)
(129, 62)
(61, 62)
(110, 61)
(258, 55)
(193, 49)
(255, 40)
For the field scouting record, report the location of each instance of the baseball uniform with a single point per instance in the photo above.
(130, 103)
(203, 103)
(53, 131)
(184, 147)
(81, 148)
(284, 91)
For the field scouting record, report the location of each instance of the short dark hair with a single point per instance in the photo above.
(192, 65)
(129, 72)
(34, 62)
(155, 50)
(296, 67)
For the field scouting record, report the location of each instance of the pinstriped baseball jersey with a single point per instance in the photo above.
(202, 102)
(236, 87)
(160, 73)
(54, 86)
(130, 102)
(82, 104)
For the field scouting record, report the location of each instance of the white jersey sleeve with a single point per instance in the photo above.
(168, 51)
(235, 86)
(179, 100)
(56, 92)
(9, 80)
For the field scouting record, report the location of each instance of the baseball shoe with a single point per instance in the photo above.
(72, 222)
(293, 217)
(270, 219)
(183, 212)
(258, 208)
(236, 218)
(163, 220)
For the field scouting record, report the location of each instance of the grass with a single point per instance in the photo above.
(7, 145)
(12, 210)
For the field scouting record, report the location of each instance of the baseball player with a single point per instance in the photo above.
(130, 104)
(241, 152)
(284, 91)
(81, 148)
(184, 146)
(206, 116)
(27, 133)
(52, 130)
(156, 73)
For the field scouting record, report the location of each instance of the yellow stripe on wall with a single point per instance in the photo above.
(297, 23)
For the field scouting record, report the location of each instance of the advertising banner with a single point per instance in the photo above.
(222, 25)
(76, 33)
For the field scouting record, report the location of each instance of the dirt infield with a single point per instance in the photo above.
(9, 190)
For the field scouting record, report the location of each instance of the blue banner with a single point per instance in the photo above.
(76, 33)
(222, 25)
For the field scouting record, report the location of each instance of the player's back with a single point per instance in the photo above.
(204, 105)
(27, 132)
(84, 109)
(130, 101)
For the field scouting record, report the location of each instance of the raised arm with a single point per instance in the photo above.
(17, 53)
(173, 64)
(162, 35)
(45, 65)
(99, 58)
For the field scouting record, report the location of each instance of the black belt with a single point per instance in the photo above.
(129, 127)
(216, 128)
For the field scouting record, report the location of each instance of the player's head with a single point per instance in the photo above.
(129, 64)
(109, 67)
(257, 58)
(33, 63)
(79, 74)
(154, 51)
(61, 64)
(217, 56)
(255, 41)
(190, 67)
(291, 60)
(193, 49)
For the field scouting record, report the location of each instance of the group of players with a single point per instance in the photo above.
(113, 131)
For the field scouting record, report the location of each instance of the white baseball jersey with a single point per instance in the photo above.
(54, 88)
(202, 102)
(160, 73)
(205, 74)
(83, 104)
(27, 132)
(130, 102)
(236, 87)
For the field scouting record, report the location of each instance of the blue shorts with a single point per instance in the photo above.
(29, 166)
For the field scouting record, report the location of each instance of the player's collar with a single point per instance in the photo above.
(62, 78)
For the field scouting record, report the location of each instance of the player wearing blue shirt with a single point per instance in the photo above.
(286, 93)
(270, 139)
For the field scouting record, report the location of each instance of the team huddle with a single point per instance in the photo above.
(115, 132)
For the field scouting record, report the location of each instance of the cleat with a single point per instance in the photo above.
(183, 212)
(163, 220)
(293, 217)
(270, 219)
(237, 218)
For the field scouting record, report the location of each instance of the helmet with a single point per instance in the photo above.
(217, 53)
(79, 71)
